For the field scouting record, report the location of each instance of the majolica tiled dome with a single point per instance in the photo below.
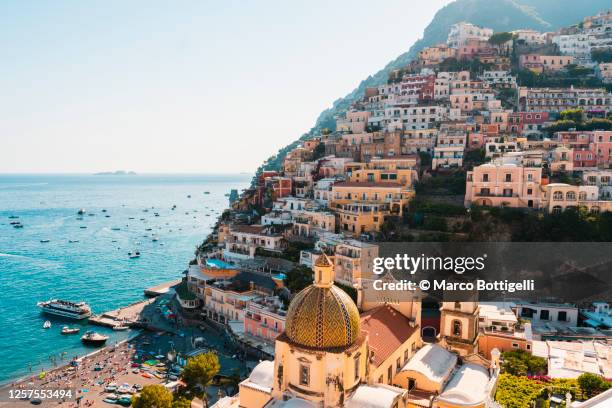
(322, 318)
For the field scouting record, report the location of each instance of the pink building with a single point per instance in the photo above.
(539, 63)
(265, 318)
(504, 184)
(589, 149)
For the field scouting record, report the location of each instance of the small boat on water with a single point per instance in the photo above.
(207, 192)
(18, 225)
(72, 241)
(120, 328)
(188, 195)
(93, 338)
(155, 238)
(135, 254)
(65, 308)
(70, 330)
(115, 229)
(13, 217)
(46, 324)
(82, 227)
(81, 211)
(44, 241)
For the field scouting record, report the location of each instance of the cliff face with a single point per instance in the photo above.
(500, 15)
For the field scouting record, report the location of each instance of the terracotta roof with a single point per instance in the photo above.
(367, 184)
(387, 330)
(248, 229)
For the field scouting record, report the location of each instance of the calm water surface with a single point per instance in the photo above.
(95, 269)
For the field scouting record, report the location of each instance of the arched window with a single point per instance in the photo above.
(558, 196)
(456, 328)
(557, 209)
(595, 210)
(582, 196)
(570, 196)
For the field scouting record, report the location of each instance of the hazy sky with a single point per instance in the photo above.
(164, 86)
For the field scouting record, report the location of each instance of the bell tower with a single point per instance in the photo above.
(459, 327)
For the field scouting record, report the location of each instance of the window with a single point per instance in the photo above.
(558, 196)
(515, 345)
(304, 375)
(398, 365)
(456, 328)
(562, 316)
(458, 305)
(357, 366)
(544, 315)
(405, 356)
(571, 196)
(529, 191)
(485, 177)
(508, 178)
(389, 374)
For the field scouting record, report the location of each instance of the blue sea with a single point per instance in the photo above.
(97, 268)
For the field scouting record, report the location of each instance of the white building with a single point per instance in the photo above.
(498, 79)
(460, 33)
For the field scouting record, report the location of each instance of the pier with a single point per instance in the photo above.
(124, 316)
(161, 289)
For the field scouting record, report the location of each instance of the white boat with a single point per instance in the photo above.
(93, 338)
(44, 241)
(135, 254)
(69, 330)
(46, 324)
(120, 328)
(65, 308)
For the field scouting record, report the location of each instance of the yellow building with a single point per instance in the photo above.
(363, 206)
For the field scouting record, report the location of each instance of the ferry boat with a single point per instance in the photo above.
(93, 338)
(64, 308)
(81, 211)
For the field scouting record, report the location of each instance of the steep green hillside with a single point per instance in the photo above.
(501, 15)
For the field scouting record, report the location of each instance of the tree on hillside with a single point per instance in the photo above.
(572, 114)
(298, 278)
(153, 396)
(500, 38)
(199, 373)
(181, 402)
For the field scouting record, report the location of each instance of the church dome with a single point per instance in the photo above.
(322, 317)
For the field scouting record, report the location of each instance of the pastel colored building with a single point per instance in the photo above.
(352, 259)
(354, 122)
(503, 184)
(436, 54)
(540, 63)
(265, 318)
(461, 32)
(558, 197)
(243, 240)
(363, 206)
(591, 100)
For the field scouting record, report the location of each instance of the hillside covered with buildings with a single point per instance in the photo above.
(487, 135)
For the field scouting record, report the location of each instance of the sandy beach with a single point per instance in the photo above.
(88, 376)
